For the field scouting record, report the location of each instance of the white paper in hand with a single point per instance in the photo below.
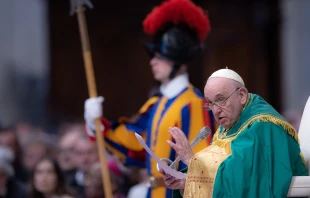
(162, 165)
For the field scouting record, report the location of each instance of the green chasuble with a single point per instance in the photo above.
(257, 157)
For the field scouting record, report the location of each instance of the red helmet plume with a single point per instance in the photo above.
(178, 12)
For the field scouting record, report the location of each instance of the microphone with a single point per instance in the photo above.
(203, 134)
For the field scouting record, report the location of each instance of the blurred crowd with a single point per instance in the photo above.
(65, 164)
(34, 163)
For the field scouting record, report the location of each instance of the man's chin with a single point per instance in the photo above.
(223, 123)
(157, 77)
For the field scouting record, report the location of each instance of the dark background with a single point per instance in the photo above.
(244, 37)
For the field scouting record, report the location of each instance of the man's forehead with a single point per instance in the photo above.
(218, 83)
(217, 86)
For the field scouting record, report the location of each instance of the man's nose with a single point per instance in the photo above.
(216, 109)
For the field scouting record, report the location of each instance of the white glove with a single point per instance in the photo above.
(92, 111)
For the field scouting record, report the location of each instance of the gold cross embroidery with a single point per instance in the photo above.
(223, 134)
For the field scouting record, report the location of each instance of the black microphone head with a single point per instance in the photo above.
(204, 133)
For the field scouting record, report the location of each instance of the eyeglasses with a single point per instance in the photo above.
(221, 102)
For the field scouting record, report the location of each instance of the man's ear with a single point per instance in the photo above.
(243, 95)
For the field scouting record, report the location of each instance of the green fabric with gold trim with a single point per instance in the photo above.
(264, 156)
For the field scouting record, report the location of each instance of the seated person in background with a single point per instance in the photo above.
(48, 181)
(86, 154)
(66, 157)
(10, 186)
(94, 185)
(139, 190)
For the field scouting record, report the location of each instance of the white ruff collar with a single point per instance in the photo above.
(175, 86)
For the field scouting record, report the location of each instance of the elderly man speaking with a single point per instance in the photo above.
(254, 153)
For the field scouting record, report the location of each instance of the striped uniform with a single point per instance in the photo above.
(154, 119)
